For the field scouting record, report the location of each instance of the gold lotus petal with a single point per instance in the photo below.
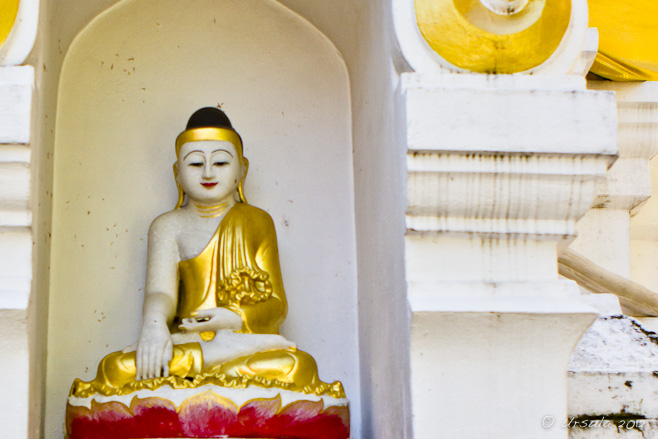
(470, 36)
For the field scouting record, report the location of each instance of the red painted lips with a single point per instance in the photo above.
(209, 185)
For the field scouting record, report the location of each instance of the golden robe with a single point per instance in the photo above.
(238, 270)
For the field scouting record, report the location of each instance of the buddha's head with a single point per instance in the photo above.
(210, 165)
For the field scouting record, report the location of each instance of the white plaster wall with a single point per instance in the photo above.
(363, 32)
(59, 22)
(129, 83)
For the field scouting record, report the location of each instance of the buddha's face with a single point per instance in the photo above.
(209, 171)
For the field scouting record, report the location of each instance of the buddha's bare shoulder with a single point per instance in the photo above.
(167, 225)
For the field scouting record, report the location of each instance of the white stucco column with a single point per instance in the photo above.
(16, 86)
(16, 90)
(499, 171)
(605, 231)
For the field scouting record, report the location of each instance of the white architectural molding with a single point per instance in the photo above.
(627, 186)
(16, 89)
(16, 86)
(533, 195)
(418, 54)
(557, 113)
(21, 39)
(588, 54)
(15, 153)
(638, 128)
(15, 194)
(15, 267)
(629, 182)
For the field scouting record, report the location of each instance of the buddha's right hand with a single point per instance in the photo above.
(154, 350)
(213, 319)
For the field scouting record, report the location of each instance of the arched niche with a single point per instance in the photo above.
(128, 84)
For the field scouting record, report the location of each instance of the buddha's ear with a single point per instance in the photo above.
(181, 194)
(245, 167)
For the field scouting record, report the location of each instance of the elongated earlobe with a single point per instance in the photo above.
(181, 193)
(245, 167)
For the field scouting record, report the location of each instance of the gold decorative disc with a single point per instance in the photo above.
(494, 36)
(8, 12)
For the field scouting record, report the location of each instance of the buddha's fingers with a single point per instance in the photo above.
(139, 362)
(157, 362)
(146, 357)
(144, 361)
(152, 360)
(167, 355)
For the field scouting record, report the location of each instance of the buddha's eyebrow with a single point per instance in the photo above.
(218, 150)
(191, 152)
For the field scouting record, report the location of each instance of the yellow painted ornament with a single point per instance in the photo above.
(494, 36)
(8, 12)
(628, 39)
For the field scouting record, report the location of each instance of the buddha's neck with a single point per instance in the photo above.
(209, 210)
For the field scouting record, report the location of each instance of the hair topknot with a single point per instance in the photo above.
(209, 117)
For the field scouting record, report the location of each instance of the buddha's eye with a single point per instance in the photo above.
(220, 163)
(197, 164)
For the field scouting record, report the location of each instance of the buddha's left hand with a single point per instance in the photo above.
(213, 319)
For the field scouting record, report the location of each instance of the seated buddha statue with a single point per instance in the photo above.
(214, 297)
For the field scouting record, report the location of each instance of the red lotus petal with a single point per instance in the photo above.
(208, 415)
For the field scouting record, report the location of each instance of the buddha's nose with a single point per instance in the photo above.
(207, 171)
